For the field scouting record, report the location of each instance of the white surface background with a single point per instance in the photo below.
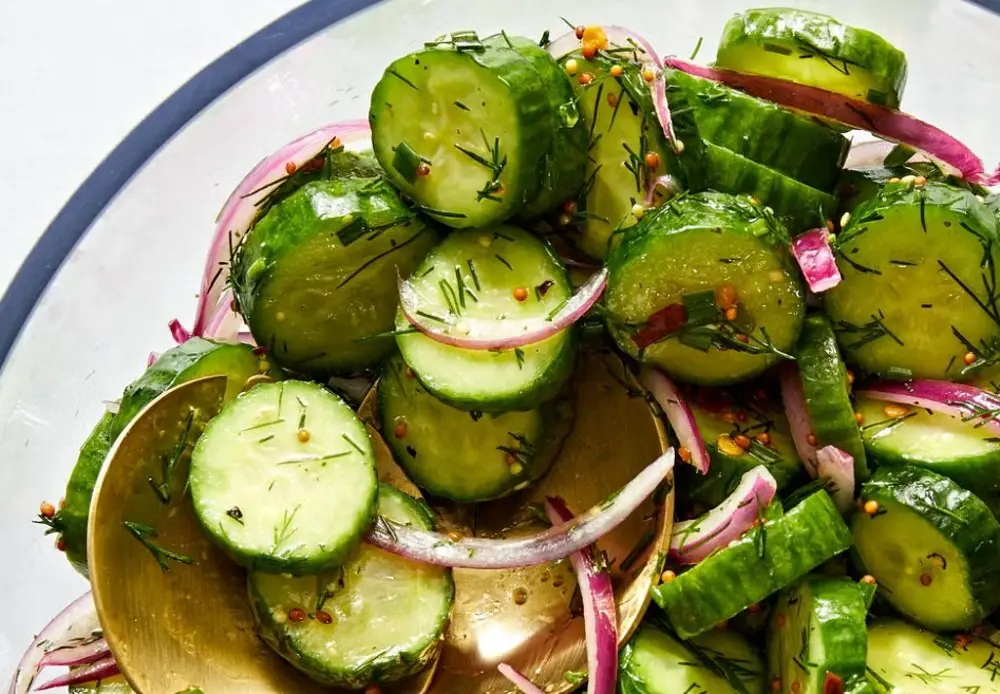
(77, 76)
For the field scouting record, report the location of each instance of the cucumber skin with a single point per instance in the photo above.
(864, 182)
(698, 599)
(885, 62)
(977, 536)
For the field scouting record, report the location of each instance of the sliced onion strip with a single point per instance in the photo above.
(968, 403)
(520, 681)
(838, 467)
(99, 670)
(798, 416)
(72, 656)
(178, 331)
(815, 257)
(680, 416)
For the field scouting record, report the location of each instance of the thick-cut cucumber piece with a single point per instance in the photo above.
(316, 277)
(719, 662)
(919, 290)
(474, 273)
(462, 127)
(905, 659)
(802, 148)
(826, 390)
(765, 560)
(465, 456)
(284, 479)
(676, 261)
(817, 635)
(800, 206)
(933, 546)
(812, 48)
(375, 620)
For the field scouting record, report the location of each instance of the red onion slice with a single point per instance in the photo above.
(178, 331)
(798, 416)
(71, 656)
(679, 415)
(600, 613)
(525, 685)
(814, 255)
(481, 333)
(99, 670)
(666, 183)
(692, 541)
(968, 403)
(554, 543)
(224, 323)
(838, 467)
(884, 122)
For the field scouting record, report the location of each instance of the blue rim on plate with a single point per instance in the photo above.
(112, 174)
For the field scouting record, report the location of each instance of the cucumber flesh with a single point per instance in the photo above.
(474, 273)
(284, 479)
(931, 545)
(377, 619)
(112, 685)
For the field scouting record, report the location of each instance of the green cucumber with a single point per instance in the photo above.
(315, 278)
(679, 257)
(905, 659)
(465, 456)
(814, 49)
(716, 662)
(802, 148)
(474, 273)
(463, 126)
(916, 262)
(827, 391)
(864, 182)
(818, 635)
(763, 561)
(376, 620)
(283, 479)
(112, 685)
(933, 547)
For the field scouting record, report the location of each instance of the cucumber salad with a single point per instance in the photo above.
(799, 278)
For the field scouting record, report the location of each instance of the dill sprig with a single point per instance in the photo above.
(145, 534)
(168, 463)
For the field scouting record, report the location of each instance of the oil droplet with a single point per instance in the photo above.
(520, 596)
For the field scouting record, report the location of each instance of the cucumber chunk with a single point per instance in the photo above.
(284, 479)
(906, 659)
(688, 251)
(315, 278)
(864, 182)
(377, 619)
(826, 390)
(765, 560)
(919, 290)
(817, 635)
(931, 545)
(112, 685)
(802, 148)
(475, 273)
(814, 49)
(462, 127)
(465, 456)
(720, 662)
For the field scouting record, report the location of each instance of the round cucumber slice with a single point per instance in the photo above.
(818, 634)
(475, 273)
(814, 49)
(377, 619)
(826, 390)
(720, 662)
(465, 456)
(919, 290)
(681, 256)
(906, 659)
(284, 479)
(931, 545)
(315, 278)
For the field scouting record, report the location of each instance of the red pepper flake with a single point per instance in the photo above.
(291, 168)
(296, 614)
(323, 617)
(579, 31)
(520, 293)
(61, 544)
(667, 320)
(260, 350)
(400, 431)
(423, 170)
(832, 684)
(569, 207)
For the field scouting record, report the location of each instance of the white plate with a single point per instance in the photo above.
(139, 260)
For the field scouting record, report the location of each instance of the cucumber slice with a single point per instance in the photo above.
(800, 206)
(802, 148)
(720, 661)
(864, 182)
(376, 620)
(687, 249)
(826, 390)
(112, 685)
(906, 659)
(477, 115)
(814, 49)
(763, 561)
(284, 479)
(817, 635)
(474, 273)
(932, 546)
(465, 456)
(915, 261)
(315, 278)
